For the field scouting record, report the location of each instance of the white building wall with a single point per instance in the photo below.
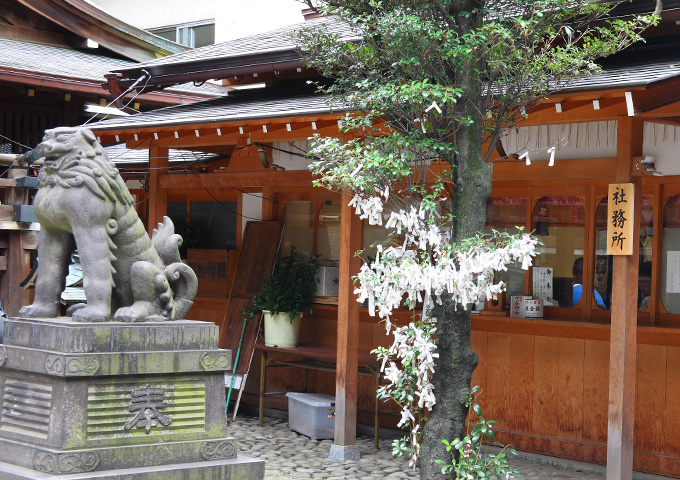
(158, 13)
(241, 18)
(251, 208)
(663, 143)
(573, 140)
(233, 18)
(594, 140)
(290, 155)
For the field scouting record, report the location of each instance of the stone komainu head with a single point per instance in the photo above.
(126, 275)
(79, 160)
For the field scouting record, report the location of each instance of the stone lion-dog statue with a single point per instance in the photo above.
(83, 203)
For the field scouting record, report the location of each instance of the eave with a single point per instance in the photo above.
(89, 87)
(86, 20)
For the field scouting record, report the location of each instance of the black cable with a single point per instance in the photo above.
(306, 154)
(14, 141)
(129, 89)
(229, 209)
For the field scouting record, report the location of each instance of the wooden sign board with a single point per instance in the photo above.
(620, 219)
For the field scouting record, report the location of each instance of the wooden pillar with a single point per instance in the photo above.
(18, 259)
(158, 197)
(346, 376)
(623, 340)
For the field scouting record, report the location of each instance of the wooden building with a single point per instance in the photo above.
(596, 378)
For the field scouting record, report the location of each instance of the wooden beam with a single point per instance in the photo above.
(656, 97)
(512, 170)
(346, 377)
(158, 195)
(623, 342)
(301, 127)
(268, 178)
(187, 139)
(610, 109)
(27, 34)
(297, 132)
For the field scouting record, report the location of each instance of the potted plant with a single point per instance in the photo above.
(284, 294)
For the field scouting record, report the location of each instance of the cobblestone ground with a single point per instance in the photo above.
(290, 455)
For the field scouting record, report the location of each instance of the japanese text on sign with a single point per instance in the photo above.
(620, 219)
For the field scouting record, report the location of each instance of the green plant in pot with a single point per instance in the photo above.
(284, 294)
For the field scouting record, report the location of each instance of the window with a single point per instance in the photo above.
(209, 225)
(197, 34)
(298, 227)
(670, 256)
(505, 214)
(558, 268)
(311, 232)
(602, 271)
(328, 242)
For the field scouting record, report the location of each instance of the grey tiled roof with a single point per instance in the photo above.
(281, 101)
(51, 60)
(71, 63)
(278, 40)
(626, 72)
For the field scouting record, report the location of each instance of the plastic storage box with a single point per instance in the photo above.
(311, 414)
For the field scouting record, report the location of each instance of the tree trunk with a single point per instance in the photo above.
(472, 188)
(452, 379)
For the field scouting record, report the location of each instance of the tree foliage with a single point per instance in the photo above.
(429, 83)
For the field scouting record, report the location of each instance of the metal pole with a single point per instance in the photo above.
(233, 371)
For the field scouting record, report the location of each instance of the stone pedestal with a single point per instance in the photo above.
(116, 401)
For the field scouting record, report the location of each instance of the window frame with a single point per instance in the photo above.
(180, 27)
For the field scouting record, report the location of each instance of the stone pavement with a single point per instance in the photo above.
(289, 455)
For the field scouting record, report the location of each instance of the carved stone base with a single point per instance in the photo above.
(102, 397)
(243, 468)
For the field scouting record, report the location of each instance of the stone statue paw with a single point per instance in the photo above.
(91, 314)
(140, 311)
(38, 311)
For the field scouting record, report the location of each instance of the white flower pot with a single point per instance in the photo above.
(278, 331)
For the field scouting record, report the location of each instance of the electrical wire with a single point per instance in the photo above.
(304, 154)
(14, 141)
(229, 209)
(145, 74)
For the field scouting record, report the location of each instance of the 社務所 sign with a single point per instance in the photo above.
(620, 219)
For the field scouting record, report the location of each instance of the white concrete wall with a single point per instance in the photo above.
(251, 209)
(241, 18)
(290, 161)
(594, 140)
(573, 140)
(158, 13)
(663, 143)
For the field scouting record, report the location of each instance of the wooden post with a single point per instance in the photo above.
(346, 376)
(158, 197)
(18, 259)
(623, 340)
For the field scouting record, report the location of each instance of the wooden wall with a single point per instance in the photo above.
(547, 385)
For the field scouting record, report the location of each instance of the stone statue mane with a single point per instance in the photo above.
(83, 203)
(88, 167)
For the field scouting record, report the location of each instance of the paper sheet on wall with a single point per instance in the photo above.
(673, 272)
(543, 283)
